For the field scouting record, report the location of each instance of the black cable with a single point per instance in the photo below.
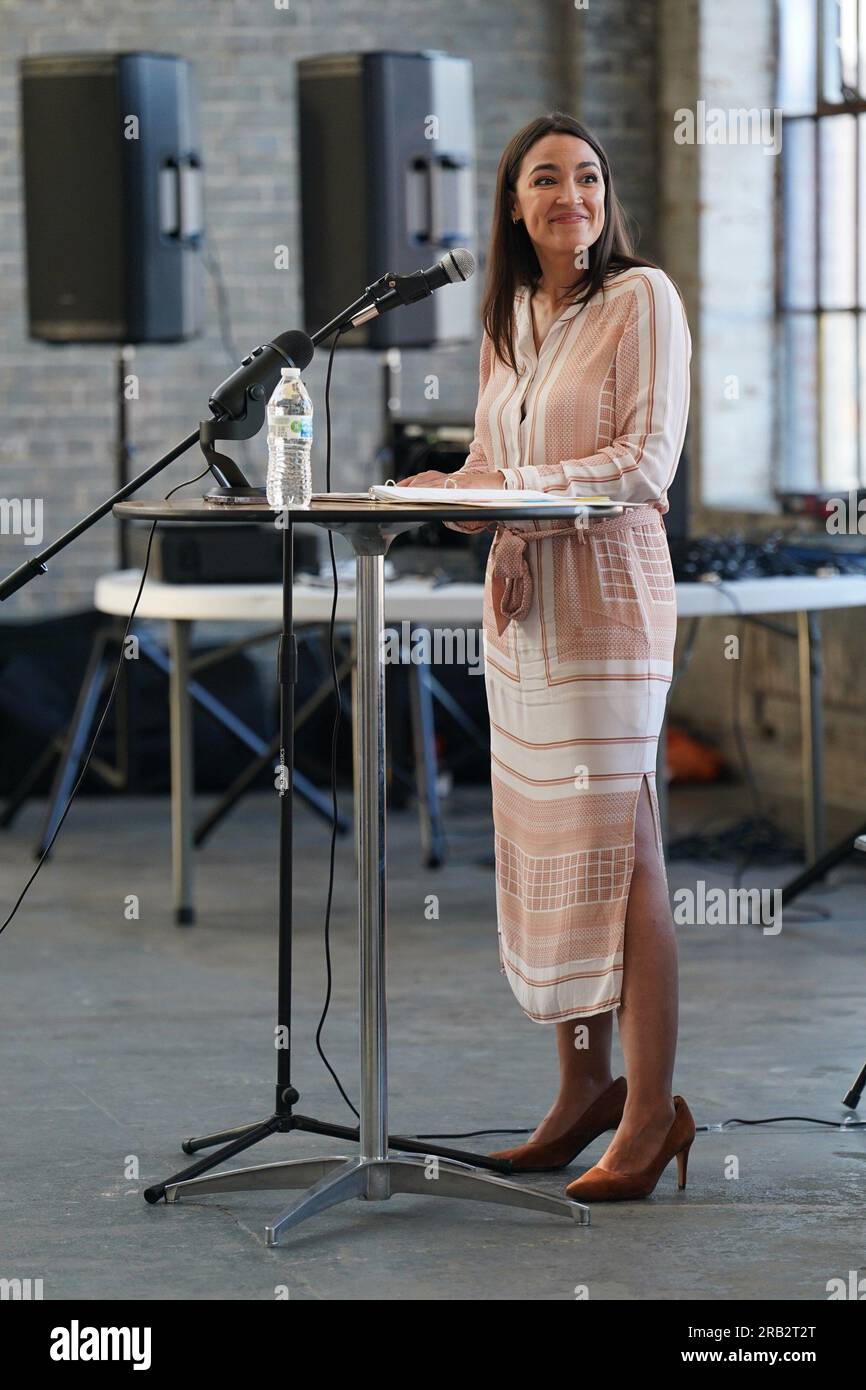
(338, 714)
(224, 318)
(780, 1119)
(104, 714)
(700, 1129)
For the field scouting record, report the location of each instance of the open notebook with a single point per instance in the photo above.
(474, 496)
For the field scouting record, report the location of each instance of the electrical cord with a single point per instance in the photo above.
(338, 715)
(104, 714)
(224, 318)
(701, 1129)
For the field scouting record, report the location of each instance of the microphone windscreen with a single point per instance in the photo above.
(463, 264)
(296, 345)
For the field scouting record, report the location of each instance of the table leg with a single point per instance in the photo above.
(811, 700)
(426, 768)
(353, 689)
(370, 832)
(181, 773)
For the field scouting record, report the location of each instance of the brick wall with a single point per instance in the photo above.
(614, 87)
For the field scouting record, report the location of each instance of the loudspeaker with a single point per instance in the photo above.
(387, 183)
(677, 518)
(112, 184)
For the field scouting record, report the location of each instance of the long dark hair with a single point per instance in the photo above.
(512, 262)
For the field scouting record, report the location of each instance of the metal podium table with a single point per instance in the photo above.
(375, 1172)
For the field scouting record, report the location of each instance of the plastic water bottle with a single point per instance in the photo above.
(290, 440)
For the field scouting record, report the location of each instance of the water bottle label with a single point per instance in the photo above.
(301, 426)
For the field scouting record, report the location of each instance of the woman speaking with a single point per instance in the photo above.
(584, 392)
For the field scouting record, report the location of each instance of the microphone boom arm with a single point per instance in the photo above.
(238, 404)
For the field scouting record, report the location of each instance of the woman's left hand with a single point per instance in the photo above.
(463, 480)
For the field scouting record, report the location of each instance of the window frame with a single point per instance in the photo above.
(852, 104)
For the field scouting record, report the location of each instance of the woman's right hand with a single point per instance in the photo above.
(428, 479)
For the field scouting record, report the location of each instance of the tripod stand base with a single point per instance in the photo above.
(284, 1121)
(817, 871)
(333, 1180)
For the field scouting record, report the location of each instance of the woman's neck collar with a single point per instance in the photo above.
(564, 294)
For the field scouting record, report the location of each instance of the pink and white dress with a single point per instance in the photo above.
(579, 627)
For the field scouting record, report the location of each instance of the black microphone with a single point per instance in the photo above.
(261, 368)
(238, 404)
(456, 266)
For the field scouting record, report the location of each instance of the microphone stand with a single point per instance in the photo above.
(246, 391)
(238, 407)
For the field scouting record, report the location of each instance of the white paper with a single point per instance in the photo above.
(463, 496)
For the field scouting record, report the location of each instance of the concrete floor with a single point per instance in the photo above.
(121, 1037)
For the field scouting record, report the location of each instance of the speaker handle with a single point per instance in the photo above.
(191, 216)
(446, 174)
(180, 199)
(417, 202)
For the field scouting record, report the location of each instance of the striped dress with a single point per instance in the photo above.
(579, 627)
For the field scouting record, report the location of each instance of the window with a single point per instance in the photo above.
(822, 244)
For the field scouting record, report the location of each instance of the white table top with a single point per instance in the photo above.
(404, 598)
(418, 599)
(778, 594)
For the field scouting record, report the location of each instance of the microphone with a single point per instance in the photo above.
(262, 369)
(238, 406)
(454, 267)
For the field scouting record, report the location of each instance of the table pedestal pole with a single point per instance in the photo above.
(374, 1174)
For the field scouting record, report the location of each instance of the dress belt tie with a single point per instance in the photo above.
(511, 581)
(511, 578)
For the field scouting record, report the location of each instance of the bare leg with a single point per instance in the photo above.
(584, 1047)
(649, 1006)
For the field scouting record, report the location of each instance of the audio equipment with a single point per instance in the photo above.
(112, 184)
(206, 555)
(716, 558)
(441, 444)
(387, 154)
(676, 518)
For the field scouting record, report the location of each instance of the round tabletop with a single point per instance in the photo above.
(338, 514)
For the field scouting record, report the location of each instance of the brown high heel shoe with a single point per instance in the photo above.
(605, 1112)
(598, 1185)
